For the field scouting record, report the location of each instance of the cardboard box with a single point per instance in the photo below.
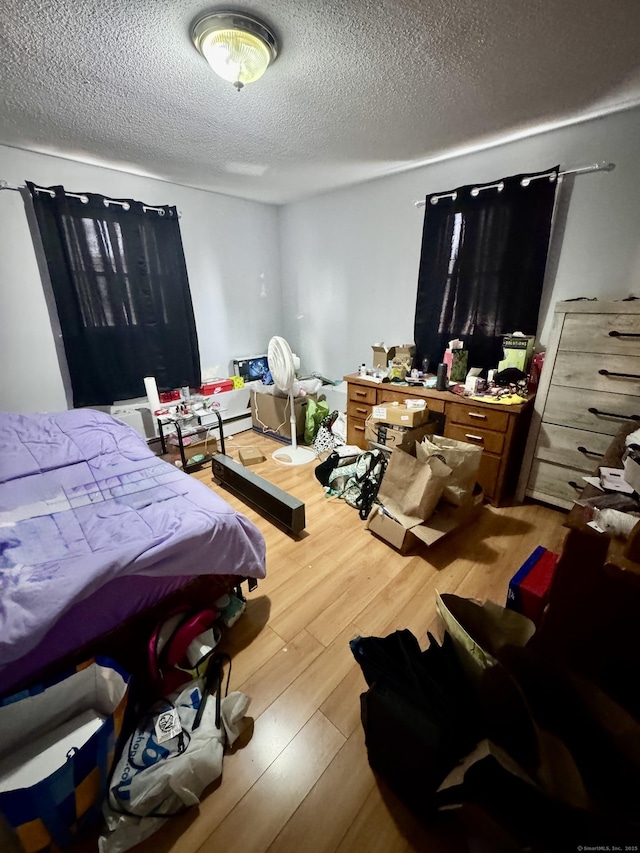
(217, 386)
(198, 444)
(393, 435)
(271, 415)
(383, 355)
(389, 413)
(444, 520)
(250, 456)
(517, 351)
(529, 588)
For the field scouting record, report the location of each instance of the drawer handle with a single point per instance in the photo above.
(473, 437)
(604, 372)
(477, 415)
(574, 485)
(624, 334)
(361, 393)
(362, 411)
(358, 428)
(588, 452)
(595, 411)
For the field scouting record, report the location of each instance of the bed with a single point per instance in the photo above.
(95, 530)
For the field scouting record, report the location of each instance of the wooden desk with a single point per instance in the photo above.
(500, 430)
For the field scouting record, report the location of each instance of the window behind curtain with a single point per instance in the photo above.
(484, 252)
(120, 284)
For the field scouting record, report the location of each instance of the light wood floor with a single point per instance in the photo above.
(300, 780)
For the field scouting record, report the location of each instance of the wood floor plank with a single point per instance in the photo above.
(358, 589)
(340, 793)
(281, 670)
(401, 589)
(342, 707)
(250, 645)
(267, 807)
(416, 611)
(319, 574)
(385, 823)
(279, 570)
(373, 829)
(328, 607)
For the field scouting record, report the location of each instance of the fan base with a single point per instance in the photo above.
(293, 456)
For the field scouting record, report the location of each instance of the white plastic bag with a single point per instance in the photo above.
(154, 780)
(339, 427)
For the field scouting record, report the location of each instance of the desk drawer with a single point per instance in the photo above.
(398, 396)
(598, 411)
(578, 448)
(360, 394)
(492, 442)
(609, 373)
(355, 432)
(617, 334)
(488, 474)
(477, 417)
(357, 410)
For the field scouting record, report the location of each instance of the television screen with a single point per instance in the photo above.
(251, 369)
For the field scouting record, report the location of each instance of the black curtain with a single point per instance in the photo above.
(120, 284)
(482, 266)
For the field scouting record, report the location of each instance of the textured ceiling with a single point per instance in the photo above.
(360, 88)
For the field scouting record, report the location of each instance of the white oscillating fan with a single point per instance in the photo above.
(283, 372)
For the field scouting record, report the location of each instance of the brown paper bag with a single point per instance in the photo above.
(482, 633)
(411, 489)
(463, 459)
(479, 631)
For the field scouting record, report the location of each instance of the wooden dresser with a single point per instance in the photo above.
(500, 430)
(591, 621)
(590, 386)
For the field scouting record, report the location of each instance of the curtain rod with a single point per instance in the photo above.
(107, 201)
(594, 167)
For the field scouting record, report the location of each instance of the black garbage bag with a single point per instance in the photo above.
(420, 715)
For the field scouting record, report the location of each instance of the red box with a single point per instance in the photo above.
(217, 387)
(530, 586)
(169, 396)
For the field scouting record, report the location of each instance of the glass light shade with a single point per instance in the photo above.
(238, 48)
(236, 56)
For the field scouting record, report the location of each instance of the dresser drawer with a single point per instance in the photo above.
(577, 448)
(617, 334)
(477, 417)
(360, 394)
(598, 411)
(556, 482)
(357, 410)
(492, 442)
(597, 372)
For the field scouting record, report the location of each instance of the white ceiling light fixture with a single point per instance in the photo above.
(238, 47)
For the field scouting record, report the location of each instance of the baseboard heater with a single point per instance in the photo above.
(279, 506)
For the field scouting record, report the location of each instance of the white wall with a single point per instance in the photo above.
(350, 258)
(232, 255)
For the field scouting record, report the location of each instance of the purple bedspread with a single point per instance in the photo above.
(83, 501)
